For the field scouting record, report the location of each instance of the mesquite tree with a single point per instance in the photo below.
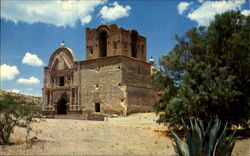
(15, 110)
(207, 73)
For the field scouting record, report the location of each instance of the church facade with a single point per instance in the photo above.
(114, 79)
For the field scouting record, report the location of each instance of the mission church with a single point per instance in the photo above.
(114, 79)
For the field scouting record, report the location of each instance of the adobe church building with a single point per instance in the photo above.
(115, 78)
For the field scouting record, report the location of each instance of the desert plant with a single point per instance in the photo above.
(15, 110)
(200, 141)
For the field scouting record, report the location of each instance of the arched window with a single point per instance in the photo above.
(134, 44)
(103, 44)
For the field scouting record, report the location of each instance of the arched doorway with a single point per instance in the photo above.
(61, 106)
(103, 44)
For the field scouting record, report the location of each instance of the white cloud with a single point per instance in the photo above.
(31, 80)
(245, 12)
(201, 1)
(32, 59)
(115, 11)
(182, 6)
(86, 19)
(206, 12)
(59, 13)
(29, 89)
(8, 72)
(14, 90)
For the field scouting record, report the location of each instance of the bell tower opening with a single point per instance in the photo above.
(61, 106)
(134, 36)
(103, 44)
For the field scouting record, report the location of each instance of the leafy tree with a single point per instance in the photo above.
(15, 110)
(207, 73)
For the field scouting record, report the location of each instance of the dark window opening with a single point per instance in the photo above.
(91, 51)
(61, 107)
(97, 107)
(103, 44)
(134, 44)
(61, 81)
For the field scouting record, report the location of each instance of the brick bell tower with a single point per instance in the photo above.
(110, 40)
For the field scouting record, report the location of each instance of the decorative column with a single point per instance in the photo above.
(54, 81)
(50, 99)
(75, 97)
(70, 101)
(44, 99)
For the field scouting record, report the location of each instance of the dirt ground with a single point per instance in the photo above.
(133, 135)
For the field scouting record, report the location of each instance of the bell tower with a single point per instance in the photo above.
(110, 40)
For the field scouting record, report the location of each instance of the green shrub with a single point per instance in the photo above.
(200, 141)
(15, 110)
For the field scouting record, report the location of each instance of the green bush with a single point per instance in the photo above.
(15, 110)
(200, 141)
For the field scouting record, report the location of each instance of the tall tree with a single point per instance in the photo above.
(207, 74)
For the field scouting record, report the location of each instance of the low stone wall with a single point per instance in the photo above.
(71, 116)
(95, 117)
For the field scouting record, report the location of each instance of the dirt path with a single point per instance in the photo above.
(133, 135)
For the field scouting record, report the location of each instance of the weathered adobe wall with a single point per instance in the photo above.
(115, 83)
(140, 99)
(139, 89)
(136, 73)
(101, 83)
(118, 43)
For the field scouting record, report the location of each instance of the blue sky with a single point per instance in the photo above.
(32, 30)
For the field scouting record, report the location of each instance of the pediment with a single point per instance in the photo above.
(61, 59)
(60, 64)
